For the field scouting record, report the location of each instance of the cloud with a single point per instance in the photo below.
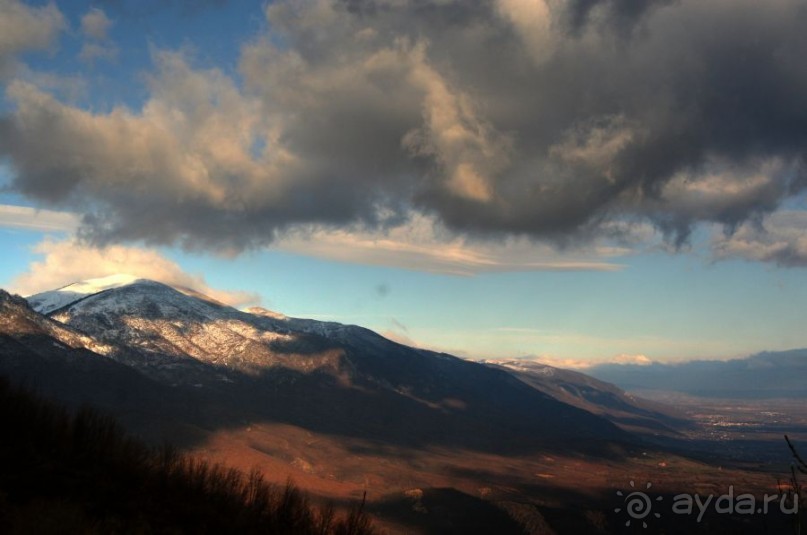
(532, 21)
(95, 24)
(780, 239)
(621, 15)
(422, 244)
(580, 364)
(70, 87)
(639, 360)
(91, 52)
(153, 175)
(25, 28)
(67, 261)
(723, 193)
(549, 122)
(419, 243)
(28, 218)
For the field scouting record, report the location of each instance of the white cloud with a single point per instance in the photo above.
(92, 52)
(68, 261)
(95, 24)
(24, 27)
(68, 87)
(780, 239)
(580, 349)
(580, 364)
(422, 244)
(725, 189)
(25, 217)
(95, 27)
(625, 358)
(532, 20)
(189, 150)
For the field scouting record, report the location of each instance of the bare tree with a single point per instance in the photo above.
(797, 468)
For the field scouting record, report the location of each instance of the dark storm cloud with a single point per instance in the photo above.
(551, 120)
(622, 15)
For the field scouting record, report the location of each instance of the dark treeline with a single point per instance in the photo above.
(79, 472)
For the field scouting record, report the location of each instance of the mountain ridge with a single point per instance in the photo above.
(324, 376)
(768, 374)
(596, 396)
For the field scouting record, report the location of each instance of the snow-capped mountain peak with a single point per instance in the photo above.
(92, 286)
(47, 302)
(172, 330)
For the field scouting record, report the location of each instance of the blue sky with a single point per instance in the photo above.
(365, 167)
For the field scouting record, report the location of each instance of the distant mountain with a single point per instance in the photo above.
(605, 399)
(325, 377)
(765, 375)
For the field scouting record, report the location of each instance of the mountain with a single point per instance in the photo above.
(765, 375)
(47, 302)
(326, 377)
(438, 444)
(72, 366)
(598, 397)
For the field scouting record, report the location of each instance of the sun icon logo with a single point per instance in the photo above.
(637, 504)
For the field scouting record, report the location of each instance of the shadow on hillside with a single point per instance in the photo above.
(435, 401)
(80, 473)
(539, 509)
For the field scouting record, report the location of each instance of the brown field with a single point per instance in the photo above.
(404, 485)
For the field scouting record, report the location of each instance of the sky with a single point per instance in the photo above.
(576, 181)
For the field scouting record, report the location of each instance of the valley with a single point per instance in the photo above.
(403, 267)
(435, 443)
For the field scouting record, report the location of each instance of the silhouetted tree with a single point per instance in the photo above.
(81, 473)
(797, 468)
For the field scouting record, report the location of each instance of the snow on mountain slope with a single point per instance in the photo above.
(170, 325)
(17, 320)
(47, 302)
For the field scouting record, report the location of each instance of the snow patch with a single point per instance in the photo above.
(93, 286)
(47, 302)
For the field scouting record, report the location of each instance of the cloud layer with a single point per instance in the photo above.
(66, 261)
(422, 244)
(24, 217)
(550, 120)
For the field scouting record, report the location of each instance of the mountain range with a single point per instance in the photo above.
(433, 438)
(598, 397)
(257, 365)
(770, 374)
